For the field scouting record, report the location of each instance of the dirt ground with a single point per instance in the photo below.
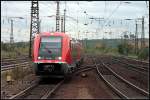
(7, 90)
(90, 87)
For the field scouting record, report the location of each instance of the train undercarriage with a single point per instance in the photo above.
(55, 69)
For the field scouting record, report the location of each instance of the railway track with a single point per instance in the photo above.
(38, 91)
(7, 63)
(140, 80)
(122, 87)
(84, 69)
(77, 84)
(13, 61)
(134, 78)
(141, 69)
(12, 66)
(42, 91)
(134, 61)
(15, 57)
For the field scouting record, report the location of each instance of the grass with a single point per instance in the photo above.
(13, 54)
(14, 50)
(17, 73)
(133, 56)
(100, 51)
(109, 51)
(111, 47)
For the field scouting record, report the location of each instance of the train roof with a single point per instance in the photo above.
(53, 34)
(57, 34)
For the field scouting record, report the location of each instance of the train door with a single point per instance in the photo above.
(74, 51)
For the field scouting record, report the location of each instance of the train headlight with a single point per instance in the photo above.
(39, 57)
(59, 58)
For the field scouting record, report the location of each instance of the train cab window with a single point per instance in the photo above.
(50, 48)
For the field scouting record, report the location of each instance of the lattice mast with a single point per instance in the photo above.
(143, 34)
(62, 24)
(57, 17)
(34, 27)
(11, 34)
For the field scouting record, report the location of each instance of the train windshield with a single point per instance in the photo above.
(50, 48)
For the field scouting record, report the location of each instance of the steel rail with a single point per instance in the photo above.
(14, 60)
(83, 70)
(108, 83)
(23, 92)
(111, 69)
(135, 59)
(49, 93)
(127, 82)
(85, 66)
(137, 63)
(12, 66)
(7, 59)
(134, 69)
(120, 78)
(88, 66)
(133, 66)
(30, 88)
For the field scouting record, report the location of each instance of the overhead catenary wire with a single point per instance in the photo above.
(107, 19)
(69, 16)
(47, 7)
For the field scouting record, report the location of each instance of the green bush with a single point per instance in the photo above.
(125, 49)
(143, 54)
(103, 46)
(15, 49)
(121, 48)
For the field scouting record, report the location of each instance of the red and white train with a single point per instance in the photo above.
(56, 54)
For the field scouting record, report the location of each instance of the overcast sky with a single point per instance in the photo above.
(113, 12)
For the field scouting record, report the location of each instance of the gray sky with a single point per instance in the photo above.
(114, 13)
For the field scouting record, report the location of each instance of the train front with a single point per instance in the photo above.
(47, 55)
